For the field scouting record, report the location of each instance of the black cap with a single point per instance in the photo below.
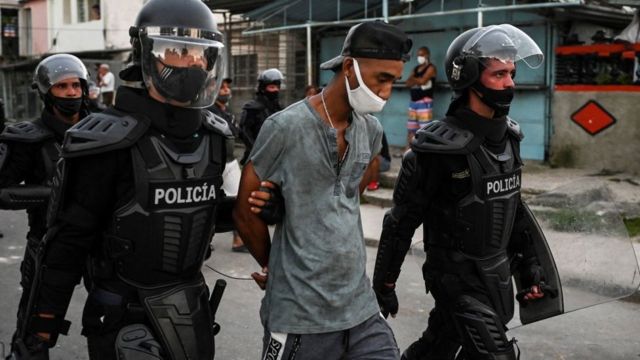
(375, 40)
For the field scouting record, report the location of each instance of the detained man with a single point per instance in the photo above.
(318, 304)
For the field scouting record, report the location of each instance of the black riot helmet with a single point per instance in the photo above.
(57, 68)
(466, 54)
(503, 42)
(268, 77)
(179, 50)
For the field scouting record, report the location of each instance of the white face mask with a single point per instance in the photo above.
(362, 99)
(422, 60)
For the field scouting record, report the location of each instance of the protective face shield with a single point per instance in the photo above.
(362, 99)
(57, 68)
(502, 42)
(183, 65)
(506, 43)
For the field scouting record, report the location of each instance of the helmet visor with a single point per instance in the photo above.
(58, 68)
(187, 69)
(505, 43)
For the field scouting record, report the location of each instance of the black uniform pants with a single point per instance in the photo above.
(447, 333)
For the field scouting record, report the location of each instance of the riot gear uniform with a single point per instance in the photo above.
(29, 152)
(137, 196)
(256, 111)
(462, 180)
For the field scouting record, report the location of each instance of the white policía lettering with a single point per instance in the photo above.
(186, 195)
(197, 194)
(503, 185)
(159, 195)
(189, 191)
(180, 199)
(171, 195)
(212, 193)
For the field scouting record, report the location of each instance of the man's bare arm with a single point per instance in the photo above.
(252, 229)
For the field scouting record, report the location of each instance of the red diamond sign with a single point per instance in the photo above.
(593, 118)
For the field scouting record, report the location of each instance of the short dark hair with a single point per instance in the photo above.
(227, 81)
(425, 49)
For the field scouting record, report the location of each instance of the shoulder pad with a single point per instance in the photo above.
(253, 105)
(514, 129)
(26, 131)
(216, 124)
(101, 132)
(439, 136)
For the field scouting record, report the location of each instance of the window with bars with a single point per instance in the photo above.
(245, 68)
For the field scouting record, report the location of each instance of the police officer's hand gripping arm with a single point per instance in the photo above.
(399, 226)
(252, 228)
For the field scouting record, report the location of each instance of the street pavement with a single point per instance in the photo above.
(607, 331)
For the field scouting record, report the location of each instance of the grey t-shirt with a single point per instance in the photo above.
(317, 281)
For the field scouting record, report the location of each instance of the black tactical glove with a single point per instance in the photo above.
(273, 210)
(388, 300)
(531, 273)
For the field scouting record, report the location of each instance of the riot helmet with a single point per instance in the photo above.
(503, 42)
(179, 49)
(268, 77)
(54, 69)
(467, 54)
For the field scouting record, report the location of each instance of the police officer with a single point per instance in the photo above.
(461, 179)
(138, 194)
(29, 150)
(256, 111)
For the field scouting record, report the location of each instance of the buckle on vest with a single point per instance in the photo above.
(119, 247)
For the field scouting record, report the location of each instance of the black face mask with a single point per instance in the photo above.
(272, 96)
(67, 106)
(223, 99)
(498, 100)
(179, 83)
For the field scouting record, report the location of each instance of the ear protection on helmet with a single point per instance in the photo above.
(465, 70)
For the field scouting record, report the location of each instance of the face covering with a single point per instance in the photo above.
(498, 100)
(272, 96)
(67, 106)
(422, 60)
(180, 83)
(223, 99)
(362, 99)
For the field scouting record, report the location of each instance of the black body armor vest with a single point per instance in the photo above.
(161, 236)
(40, 135)
(479, 223)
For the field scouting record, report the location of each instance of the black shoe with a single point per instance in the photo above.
(240, 249)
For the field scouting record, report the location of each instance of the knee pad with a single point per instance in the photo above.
(482, 332)
(136, 342)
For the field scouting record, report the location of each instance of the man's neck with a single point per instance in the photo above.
(221, 106)
(337, 104)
